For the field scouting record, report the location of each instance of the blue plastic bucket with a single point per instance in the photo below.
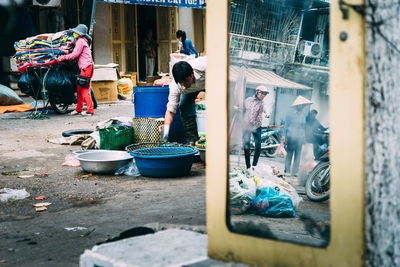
(151, 102)
(166, 162)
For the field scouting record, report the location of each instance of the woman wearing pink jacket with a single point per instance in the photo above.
(85, 62)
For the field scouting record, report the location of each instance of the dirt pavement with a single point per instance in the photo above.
(102, 206)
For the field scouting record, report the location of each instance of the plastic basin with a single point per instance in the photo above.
(164, 162)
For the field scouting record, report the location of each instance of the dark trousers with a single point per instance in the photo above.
(293, 148)
(257, 145)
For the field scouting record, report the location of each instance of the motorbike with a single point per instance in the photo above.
(318, 182)
(270, 140)
(55, 85)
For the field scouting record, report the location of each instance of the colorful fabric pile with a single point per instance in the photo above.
(42, 50)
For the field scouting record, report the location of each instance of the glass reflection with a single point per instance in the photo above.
(278, 119)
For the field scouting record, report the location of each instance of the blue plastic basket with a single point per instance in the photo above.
(164, 162)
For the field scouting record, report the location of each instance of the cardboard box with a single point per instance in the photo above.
(104, 83)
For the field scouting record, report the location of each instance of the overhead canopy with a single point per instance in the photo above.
(256, 77)
(177, 3)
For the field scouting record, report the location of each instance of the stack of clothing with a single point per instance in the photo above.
(42, 50)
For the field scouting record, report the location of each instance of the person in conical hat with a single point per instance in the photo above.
(301, 100)
(294, 135)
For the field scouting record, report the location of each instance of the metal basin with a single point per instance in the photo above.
(103, 161)
(78, 152)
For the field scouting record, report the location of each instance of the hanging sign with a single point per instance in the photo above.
(170, 3)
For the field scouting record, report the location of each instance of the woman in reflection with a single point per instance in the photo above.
(254, 108)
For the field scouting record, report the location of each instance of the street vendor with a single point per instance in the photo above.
(189, 80)
(83, 53)
(294, 135)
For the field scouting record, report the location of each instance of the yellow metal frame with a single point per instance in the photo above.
(347, 123)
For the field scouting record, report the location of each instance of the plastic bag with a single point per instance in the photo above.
(71, 160)
(12, 194)
(9, 97)
(263, 177)
(62, 78)
(270, 202)
(129, 169)
(281, 152)
(242, 191)
(28, 83)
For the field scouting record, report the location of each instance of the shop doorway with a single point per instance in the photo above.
(146, 20)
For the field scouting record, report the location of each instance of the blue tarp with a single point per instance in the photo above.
(176, 3)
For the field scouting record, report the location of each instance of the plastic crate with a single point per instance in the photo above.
(115, 137)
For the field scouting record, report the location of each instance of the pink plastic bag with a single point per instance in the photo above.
(71, 161)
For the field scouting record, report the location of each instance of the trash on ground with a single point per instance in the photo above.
(129, 169)
(26, 176)
(88, 232)
(260, 191)
(71, 140)
(86, 175)
(39, 197)
(12, 194)
(3, 261)
(71, 160)
(43, 204)
(39, 209)
(74, 229)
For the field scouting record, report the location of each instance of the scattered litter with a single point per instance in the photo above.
(3, 261)
(26, 176)
(88, 232)
(71, 140)
(10, 173)
(13, 194)
(39, 198)
(74, 229)
(86, 175)
(43, 204)
(71, 161)
(40, 209)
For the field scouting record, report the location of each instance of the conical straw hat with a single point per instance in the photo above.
(300, 100)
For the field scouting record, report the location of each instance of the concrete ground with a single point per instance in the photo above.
(87, 210)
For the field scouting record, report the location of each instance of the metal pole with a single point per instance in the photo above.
(244, 23)
(92, 17)
(298, 36)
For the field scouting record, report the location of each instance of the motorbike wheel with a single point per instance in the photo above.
(58, 108)
(316, 191)
(270, 152)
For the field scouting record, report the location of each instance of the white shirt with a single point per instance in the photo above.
(175, 89)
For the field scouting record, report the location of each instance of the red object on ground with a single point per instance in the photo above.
(40, 197)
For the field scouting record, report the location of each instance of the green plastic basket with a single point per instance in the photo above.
(115, 137)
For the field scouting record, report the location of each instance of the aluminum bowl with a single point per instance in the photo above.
(79, 152)
(103, 161)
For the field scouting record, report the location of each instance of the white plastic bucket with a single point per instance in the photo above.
(201, 121)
